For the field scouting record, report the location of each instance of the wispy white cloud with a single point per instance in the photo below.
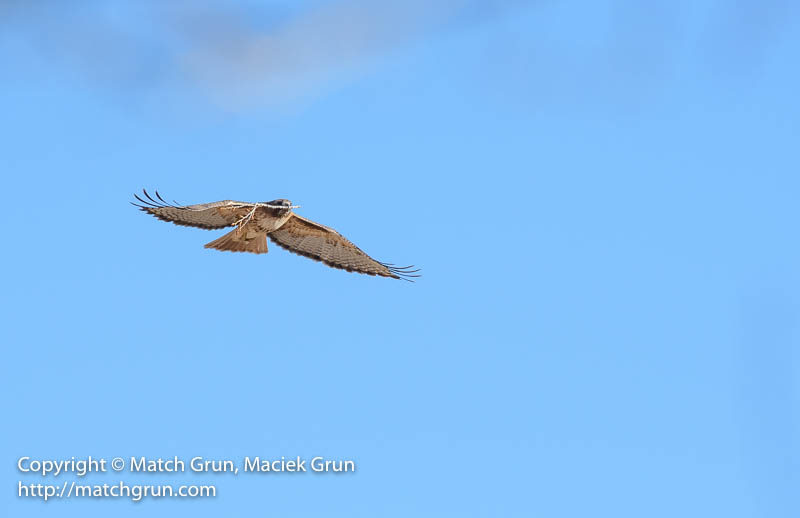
(241, 56)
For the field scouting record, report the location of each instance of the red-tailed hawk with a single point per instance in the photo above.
(255, 222)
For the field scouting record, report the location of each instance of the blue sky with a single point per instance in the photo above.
(602, 196)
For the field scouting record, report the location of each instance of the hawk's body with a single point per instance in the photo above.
(255, 222)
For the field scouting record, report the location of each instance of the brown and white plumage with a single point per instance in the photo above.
(255, 222)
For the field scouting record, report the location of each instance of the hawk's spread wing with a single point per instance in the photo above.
(219, 214)
(304, 237)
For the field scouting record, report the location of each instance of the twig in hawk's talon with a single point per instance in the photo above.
(244, 220)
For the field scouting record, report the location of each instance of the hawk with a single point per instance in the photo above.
(254, 222)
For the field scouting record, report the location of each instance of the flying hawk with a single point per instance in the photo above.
(254, 222)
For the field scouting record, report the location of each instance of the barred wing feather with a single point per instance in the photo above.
(219, 214)
(307, 238)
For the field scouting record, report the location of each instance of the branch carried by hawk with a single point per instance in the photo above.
(255, 222)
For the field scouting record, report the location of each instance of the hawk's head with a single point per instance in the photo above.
(280, 203)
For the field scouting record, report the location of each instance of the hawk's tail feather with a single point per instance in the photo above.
(241, 240)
